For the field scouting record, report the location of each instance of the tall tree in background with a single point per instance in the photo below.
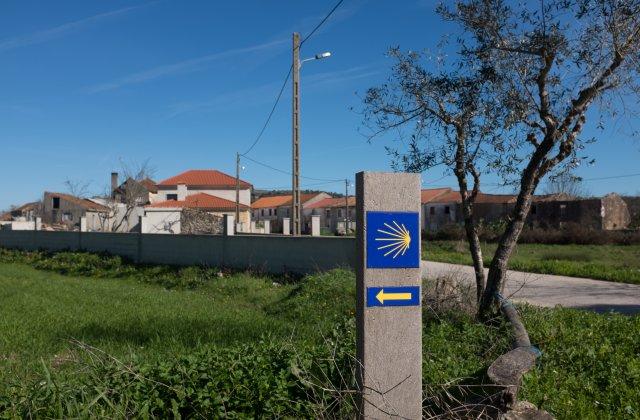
(540, 66)
(567, 184)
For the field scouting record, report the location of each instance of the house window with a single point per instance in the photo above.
(563, 210)
(432, 210)
(447, 210)
(328, 213)
(67, 217)
(56, 202)
(339, 212)
(262, 212)
(173, 197)
(288, 211)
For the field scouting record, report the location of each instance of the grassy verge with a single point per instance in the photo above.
(241, 345)
(620, 263)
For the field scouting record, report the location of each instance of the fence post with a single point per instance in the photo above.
(315, 225)
(267, 226)
(228, 223)
(388, 296)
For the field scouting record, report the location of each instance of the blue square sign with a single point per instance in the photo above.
(393, 239)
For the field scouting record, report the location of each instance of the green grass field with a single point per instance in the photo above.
(620, 263)
(254, 346)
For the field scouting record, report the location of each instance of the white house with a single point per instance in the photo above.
(204, 181)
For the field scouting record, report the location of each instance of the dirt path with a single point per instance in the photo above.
(548, 290)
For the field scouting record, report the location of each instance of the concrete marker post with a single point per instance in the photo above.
(388, 296)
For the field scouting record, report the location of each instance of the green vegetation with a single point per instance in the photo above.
(620, 263)
(193, 342)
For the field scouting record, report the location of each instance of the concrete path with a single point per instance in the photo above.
(548, 290)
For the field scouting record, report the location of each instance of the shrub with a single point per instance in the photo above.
(571, 233)
(266, 379)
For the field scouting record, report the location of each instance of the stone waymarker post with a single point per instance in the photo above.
(388, 295)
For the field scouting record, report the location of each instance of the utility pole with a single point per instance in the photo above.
(295, 185)
(346, 206)
(237, 190)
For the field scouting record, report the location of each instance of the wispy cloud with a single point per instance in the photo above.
(58, 31)
(265, 93)
(342, 76)
(186, 66)
(253, 95)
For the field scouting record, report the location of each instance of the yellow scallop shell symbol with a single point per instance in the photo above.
(398, 239)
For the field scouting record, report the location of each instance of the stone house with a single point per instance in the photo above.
(440, 207)
(66, 210)
(132, 191)
(633, 205)
(601, 213)
(26, 212)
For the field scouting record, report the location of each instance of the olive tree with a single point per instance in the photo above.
(533, 72)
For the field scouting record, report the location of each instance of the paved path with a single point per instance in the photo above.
(548, 290)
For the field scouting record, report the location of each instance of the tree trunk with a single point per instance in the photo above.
(508, 240)
(474, 248)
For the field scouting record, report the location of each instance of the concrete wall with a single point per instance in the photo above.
(117, 219)
(20, 225)
(162, 221)
(268, 253)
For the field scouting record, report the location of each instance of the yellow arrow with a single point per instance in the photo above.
(382, 296)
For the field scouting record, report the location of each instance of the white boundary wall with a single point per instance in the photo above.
(268, 253)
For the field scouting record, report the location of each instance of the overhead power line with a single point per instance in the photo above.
(289, 173)
(286, 79)
(611, 177)
(273, 109)
(313, 31)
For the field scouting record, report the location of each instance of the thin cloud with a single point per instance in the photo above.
(254, 95)
(265, 93)
(58, 31)
(341, 76)
(181, 67)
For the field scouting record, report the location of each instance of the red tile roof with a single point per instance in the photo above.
(200, 201)
(280, 200)
(333, 202)
(432, 193)
(271, 202)
(204, 178)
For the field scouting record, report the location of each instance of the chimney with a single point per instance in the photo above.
(114, 182)
(182, 192)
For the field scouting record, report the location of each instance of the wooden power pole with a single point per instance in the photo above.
(237, 190)
(295, 186)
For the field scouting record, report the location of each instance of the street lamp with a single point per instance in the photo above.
(320, 56)
(296, 213)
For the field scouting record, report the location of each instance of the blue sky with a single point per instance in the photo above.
(88, 84)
